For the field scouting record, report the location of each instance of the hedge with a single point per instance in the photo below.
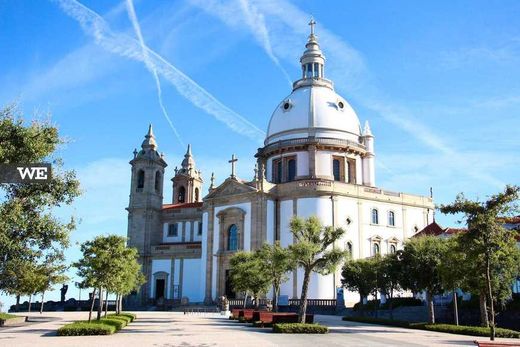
(127, 317)
(445, 328)
(85, 328)
(396, 302)
(6, 316)
(299, 328)
(469, 330)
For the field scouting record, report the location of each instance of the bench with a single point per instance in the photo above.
(279, 317)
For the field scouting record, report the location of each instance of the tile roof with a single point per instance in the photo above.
(183, 205)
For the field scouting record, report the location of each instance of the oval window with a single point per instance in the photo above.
(286, 106)
(340, 104)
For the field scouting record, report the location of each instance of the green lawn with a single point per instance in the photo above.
(105, 326)
(6, 316)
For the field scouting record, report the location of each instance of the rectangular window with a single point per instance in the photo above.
(290, 168)
(173, 230)
(351, 171)
(277, 171)
(199, 231)
(338, 168)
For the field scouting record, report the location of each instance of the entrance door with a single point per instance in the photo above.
(230, 294)
(160, 285)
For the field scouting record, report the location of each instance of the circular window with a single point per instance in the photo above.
(340, 104)
(286, 106)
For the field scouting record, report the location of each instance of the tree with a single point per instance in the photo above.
(454, 269)
(420, 261)
(108, 264)
(360, 276)
(389, 278)
(29, 232)
(278, 263)
(249, 274)
(489, 245)
(314, 251)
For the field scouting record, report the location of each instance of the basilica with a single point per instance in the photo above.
(317, 160)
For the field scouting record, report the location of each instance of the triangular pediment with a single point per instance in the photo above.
(230, 187)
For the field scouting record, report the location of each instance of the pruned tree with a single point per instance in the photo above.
(249, 274)
(420, 261)
(278, 262)
(489, 246)
(360, 276)
(313, 250)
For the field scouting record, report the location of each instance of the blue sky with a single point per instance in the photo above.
(438, 81)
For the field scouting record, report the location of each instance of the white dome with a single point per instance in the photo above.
(313, 111)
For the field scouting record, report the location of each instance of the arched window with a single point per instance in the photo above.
(375, 216)
(196, 194)
(336, 169)
(291, 170)
(392, 249)
(391, 218)
(232, 238)
(157, 181)
(375, 248)
(140, 179)
(182, 195)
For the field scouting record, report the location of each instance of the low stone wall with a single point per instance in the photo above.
(12, 321)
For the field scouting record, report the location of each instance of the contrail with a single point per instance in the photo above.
(94, 25)
(137, 28)
(349, 68)
(256, 22)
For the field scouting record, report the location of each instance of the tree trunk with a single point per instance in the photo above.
(92, 305)
(17, 307)
(120, 304)
(100, 304)
(41, 306)
(117, 304)
(490, 298)
(455, 307)
(245, 300)
(483, 310)
(30, 299)
(257, 301)
(106, 304)
(431, 309)
(391, 303)
(276, 291)
(303, 298)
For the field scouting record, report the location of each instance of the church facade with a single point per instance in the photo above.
(316, 161)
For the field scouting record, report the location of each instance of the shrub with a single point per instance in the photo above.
(469, 330)
(299, 328)
(132, 316)
(115, 322)
(396, 302)
(84, 328)
(125, 318)
(382, 321)
(6, 316)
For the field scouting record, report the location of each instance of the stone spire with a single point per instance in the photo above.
(149, 140)
(188, 162)
(366, 130)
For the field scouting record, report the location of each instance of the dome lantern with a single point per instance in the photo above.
(312, 60)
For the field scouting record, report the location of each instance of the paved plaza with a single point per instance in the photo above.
(165, 329)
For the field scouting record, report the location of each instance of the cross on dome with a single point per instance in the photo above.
(233, 163)
(312, 23)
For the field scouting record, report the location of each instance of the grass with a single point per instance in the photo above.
(299, 328)
(445, 328)
(6, 316)
(105, 326)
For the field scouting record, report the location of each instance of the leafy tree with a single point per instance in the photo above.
(360, 276)
(107, 264)
(420, 261)
(249, 274)
(29, 232)
(278, 263)
(389, 277)
(488, 245)
(313, 250)
(454, 269)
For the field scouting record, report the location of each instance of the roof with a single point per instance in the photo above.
(183, 205)
(510, 220)
(434, 229)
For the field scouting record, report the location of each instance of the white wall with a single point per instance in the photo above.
(191, 286)
(270, 221)
(204, 256)
(196, 237)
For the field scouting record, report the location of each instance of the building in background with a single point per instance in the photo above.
(316, 161)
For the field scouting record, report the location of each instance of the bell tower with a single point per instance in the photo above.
(146, 194)
(187, 182)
